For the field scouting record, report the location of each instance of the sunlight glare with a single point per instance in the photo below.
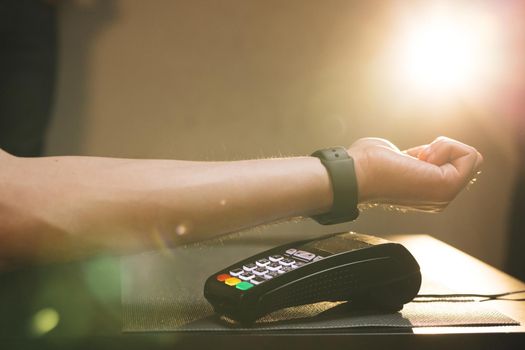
(443, 52)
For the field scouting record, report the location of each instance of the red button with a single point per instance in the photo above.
(223, 277)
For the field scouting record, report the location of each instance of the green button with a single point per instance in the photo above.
(244, 285)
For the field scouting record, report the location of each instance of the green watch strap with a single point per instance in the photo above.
(340, 167)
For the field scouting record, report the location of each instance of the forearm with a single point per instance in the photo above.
(63, 207)
(69, 206)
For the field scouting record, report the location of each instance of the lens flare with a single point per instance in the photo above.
(44, 321)
(443, 52)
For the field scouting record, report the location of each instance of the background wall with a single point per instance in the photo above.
(232, 79)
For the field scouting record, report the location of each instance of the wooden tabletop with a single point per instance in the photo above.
(462, 273)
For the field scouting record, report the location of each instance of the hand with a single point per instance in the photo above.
(425, 177)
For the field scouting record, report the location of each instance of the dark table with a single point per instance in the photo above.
(83, 300)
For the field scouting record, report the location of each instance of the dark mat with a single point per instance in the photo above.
(163, 291)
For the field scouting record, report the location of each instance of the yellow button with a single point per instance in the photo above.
(232, 281)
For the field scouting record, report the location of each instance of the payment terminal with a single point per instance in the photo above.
(346, 266)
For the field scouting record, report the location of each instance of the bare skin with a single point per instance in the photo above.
(59, 208)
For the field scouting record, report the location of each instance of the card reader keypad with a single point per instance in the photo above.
(264, 269)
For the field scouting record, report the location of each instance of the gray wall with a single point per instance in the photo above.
(233, 79)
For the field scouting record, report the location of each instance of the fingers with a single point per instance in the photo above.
(415, 151)
(465, 159)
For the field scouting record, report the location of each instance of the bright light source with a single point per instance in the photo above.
(440, 55)
(443, 52)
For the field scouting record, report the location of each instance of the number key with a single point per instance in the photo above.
(287, 262)
(260, 271)
(284, 269)
(274, 266)
(249, 267)
(297, 264)
(271, 274)
(236, 272)
(276, 257)
(246, 276)
(257, 280)
(262, 262)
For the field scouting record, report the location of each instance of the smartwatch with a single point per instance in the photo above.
(340, 168)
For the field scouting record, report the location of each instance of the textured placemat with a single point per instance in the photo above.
(163, 291)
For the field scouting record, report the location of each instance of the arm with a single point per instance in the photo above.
(63, 206)
(58, 208)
